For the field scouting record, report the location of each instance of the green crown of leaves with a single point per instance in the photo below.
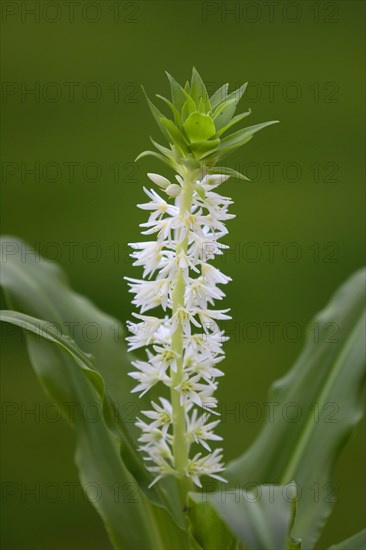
(197, 134)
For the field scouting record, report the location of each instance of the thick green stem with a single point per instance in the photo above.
(180, 444)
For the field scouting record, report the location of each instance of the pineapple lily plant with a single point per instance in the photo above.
(162, 478)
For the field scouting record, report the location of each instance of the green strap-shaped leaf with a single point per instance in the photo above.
(39, 288)
(210, 531)
(316, 405)
(260, 520)
(357, 542)
(97, 454)
(50, 332)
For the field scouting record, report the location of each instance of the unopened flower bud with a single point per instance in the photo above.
(159, 180)
(173, 190)
(216, 179)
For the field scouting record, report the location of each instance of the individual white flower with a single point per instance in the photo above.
(208, 318)
(163, 462)
(173, 263)
(147, 375)
(149, 255)
(158, 206)
(186, 223)
(214, 275)
(210, 344)
(203, 366)
(199, 429)
(145, 332)
(163, 335)
(199, 293)
(209, 465)
(192, 389)
(151, 436)
(149, 294)
(185, 318)
(162, 416)
(162, 227)
(165, 357)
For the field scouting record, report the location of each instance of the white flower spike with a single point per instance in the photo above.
(189, 368)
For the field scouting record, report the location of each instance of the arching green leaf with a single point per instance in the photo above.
(324, 387)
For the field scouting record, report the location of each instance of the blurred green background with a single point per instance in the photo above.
(81, 129)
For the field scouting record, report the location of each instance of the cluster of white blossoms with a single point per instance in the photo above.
(184, 242)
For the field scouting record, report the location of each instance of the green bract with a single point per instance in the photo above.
(197, 132)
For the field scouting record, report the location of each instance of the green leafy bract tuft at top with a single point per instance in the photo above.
(197, 126)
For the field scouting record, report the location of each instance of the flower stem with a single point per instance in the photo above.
(180, 444)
